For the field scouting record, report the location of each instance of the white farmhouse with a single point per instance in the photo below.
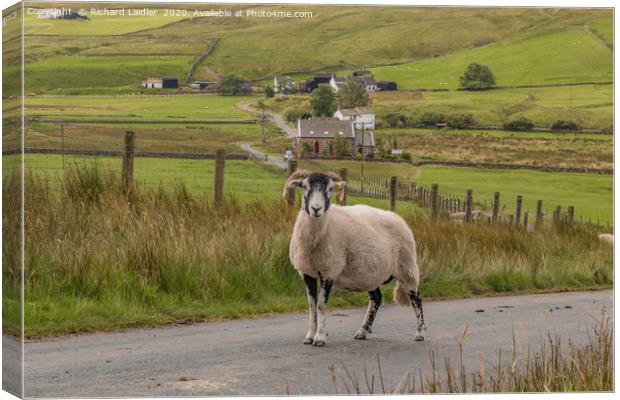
(153, 83)
(362, 117)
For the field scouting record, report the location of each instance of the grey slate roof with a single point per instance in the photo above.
(324, 128)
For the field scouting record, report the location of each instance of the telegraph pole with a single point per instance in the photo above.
(363, 155)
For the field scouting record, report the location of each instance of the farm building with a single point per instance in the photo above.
(336, 83)
(318, 79)
(202, 84)
(368, 82)
(170, 82)
(362, 74)
(283, 84)
(152, 83)
(362, 117)
(314, 136)
(387, 85)
(365, 142)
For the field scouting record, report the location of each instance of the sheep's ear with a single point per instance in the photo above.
(290, 186)
(341, 191)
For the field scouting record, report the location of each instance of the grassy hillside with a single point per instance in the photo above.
(341, 37)
(97, 24)
(79, 72)
(543, 56)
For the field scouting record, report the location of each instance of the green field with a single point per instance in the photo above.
(590, 194)
(93, 73)
(524, 148)
(546, 56)
(590, 106)
(189, 107)
(244, 180)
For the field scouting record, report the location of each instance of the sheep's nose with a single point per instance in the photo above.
(316, 209)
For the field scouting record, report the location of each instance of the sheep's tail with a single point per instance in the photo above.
(401, 296)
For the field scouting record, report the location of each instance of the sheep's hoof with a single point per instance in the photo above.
(308, 340)
(319, 343)
(360, 334)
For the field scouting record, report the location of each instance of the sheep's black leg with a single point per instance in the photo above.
(324, 290)
(311, 291)
(374, 301)
(416, 302)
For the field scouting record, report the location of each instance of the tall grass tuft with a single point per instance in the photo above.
(100, 257)
(554, 367)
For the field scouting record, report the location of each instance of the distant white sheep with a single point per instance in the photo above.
(607, 237)
(357, 248)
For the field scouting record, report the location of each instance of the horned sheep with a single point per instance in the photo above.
(356, 247)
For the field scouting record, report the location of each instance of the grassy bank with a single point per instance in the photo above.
(98, 258)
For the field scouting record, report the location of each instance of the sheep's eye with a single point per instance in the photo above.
(331, 189)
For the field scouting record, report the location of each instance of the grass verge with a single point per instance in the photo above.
(98, 257)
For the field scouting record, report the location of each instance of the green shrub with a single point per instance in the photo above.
(429, 119)
(460, 121)
(395, 120)
(561, 125)
(519, 124)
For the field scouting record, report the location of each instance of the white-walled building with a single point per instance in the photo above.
(362, 117)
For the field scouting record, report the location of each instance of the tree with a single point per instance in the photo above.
(477, 77)
(353, 94)
(323, 101)
(269, 93)
(230, 85)
(340, 147)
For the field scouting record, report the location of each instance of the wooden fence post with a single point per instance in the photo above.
(344, 175)
(495, 214)
(434, 200)
(291, 167)
(218, 184)
(557, 215)
(393, 183)
(468, 204)
(525, 218)
(570, 215)
(518, 210)
(539, 213)
(128, 159)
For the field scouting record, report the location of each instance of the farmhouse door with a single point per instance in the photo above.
(317, 147)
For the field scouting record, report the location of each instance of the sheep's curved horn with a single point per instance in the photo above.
(293, 181)
(340, 184)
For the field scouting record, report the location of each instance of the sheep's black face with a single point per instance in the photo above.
(317, 194)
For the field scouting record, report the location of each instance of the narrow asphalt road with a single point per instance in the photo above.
(258, 154)
(276, 118)
(265, 356)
